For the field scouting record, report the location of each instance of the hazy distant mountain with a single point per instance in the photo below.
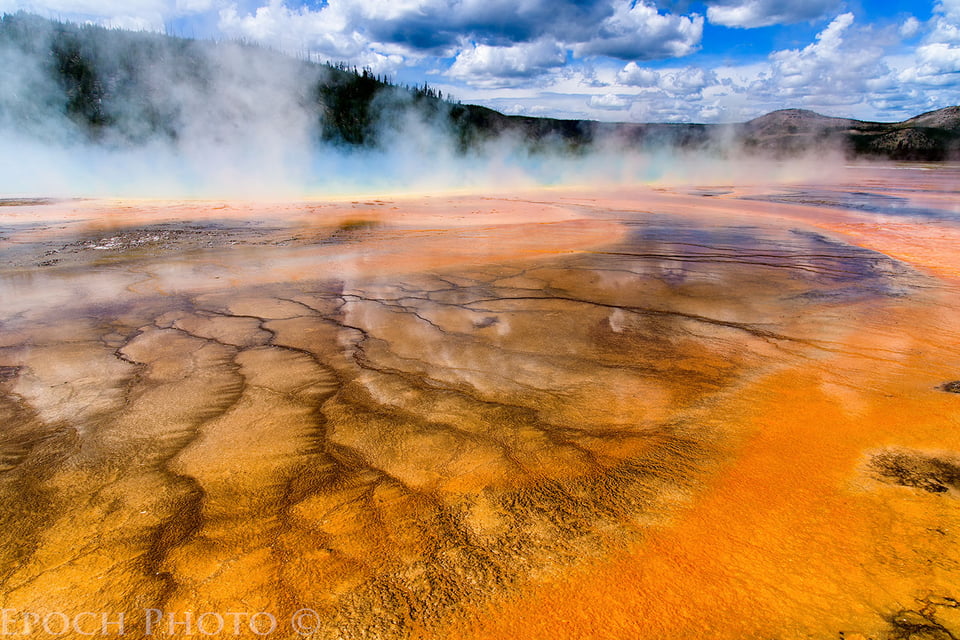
(114, 88)
(948, 118)
(931, 136)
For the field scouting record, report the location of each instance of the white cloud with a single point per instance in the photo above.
(949, 10)
(484, 65)
(136, 23)
(831, 65)
(292, 30)
(628, 29)
(326, 34)
(566, 57)
(195, 6)
(637, 31)
(762, 13)
(849, 69)
(909, 28)
(493, 42)
(107, 8)
(710, 113)
(945, 23)
(608, 101)
(844, 71)
(663, 109)
(799, 67)
(936, 62)
(636, 76)
(687, 82)
(137, 15)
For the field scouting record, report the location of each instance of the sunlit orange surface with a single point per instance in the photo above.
(684, 411)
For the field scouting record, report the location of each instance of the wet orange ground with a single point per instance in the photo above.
(791, 540)
(652, 412)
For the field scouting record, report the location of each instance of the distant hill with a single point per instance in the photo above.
(932, 136)
(118, 88)
(948, 119)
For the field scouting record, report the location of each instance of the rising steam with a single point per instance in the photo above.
(110, 113)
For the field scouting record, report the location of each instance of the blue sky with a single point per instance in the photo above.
(615, 60)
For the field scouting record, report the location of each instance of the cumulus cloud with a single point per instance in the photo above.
(909, 28)
(636, 76)
(330, 33)
(850, 68)
(485, 65)
(608, 101)
(92, 7)
(948, 10)
(437, 24)
(294, 29)
(627, 29)
(690, 81)
(493, 42)
(637, 31)
(836, 65)
(749, 14)
(663, 108)
(846, 70)
(936, 62)
(565, 57)
(136, 14)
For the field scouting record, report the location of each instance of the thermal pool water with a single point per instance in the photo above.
(638, 412)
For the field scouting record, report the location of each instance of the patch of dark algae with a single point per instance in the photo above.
(8, 372)
(25, 202)
(917, 625)
(917, 470)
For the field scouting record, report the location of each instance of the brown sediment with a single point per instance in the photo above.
(651, 414)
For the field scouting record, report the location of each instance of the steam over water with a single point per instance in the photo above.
(91, 112)
(651, 412)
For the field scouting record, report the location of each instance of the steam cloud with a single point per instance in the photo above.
(202, 119)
